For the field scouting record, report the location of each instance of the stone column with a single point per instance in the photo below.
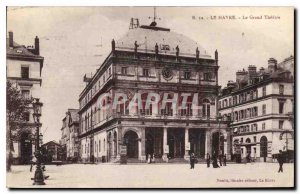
(142, 145)
(207, 143)
(186, 142)
(165, 144)
(119, 141)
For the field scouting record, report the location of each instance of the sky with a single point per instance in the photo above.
(75, 41)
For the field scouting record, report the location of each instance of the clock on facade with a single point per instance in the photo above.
(167, 73)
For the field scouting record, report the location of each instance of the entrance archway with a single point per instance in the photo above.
(176, 143)
(217, 143)
(26, 148)
(131, 140)
(149, 144)
(264, 147)
(248, 147)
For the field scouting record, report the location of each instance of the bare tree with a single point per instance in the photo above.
(16, 105)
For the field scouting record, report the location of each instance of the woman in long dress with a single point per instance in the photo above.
(215, 161)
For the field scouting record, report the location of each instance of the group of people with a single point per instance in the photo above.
(222, 160)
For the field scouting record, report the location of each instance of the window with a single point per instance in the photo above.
(263, 109)
(99, 146)
(242, 140)
(281, 124)
(168, 109)
(146, 72)
(103, 78)
(109, 71)
(25, 72)
(281, 89)
(206, 76)
(263, 127)
(124, 71)
(264, 91)
(26, 116)
(104, 145)
(26, 93)
(206, 108)
(254, 138)
(281, 106)
(187, 75)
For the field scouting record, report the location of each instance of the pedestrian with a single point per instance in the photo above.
(280, 161)
(149, 159)
(192, 160)
(32, 162)
(220, 159)
(153, 158)
(208, 160)
(225, 160)
(215, 161)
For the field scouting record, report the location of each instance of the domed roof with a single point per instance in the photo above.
(167, 41)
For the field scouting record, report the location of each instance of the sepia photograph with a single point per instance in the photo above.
(150, 97)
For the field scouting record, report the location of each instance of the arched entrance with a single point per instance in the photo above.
(149, 145)
(26, 148)
(248, 147)
(217, 143)
(176, 143)
(264, 147)
(131, 140)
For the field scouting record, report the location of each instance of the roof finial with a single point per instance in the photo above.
(153, 23)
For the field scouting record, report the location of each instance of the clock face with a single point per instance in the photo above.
(167, 73)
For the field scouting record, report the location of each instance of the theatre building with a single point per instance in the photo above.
(260, 104)
(151, 59)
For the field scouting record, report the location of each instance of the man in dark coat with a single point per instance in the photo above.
(220, 159)
(280, 160)
(192, 160)
(208, 160)
(225, 160)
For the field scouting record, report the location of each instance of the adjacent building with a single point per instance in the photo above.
(24, 69)
(69, 139)
(53, 150)
(260, 104)
(152, 59)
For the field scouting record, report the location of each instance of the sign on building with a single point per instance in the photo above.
(123, 150)
(166, 149)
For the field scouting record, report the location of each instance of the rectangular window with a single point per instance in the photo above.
(264, 91)
(187, 75)
(25, 72)
(109, 71)
(26, 116)
(254, 138)
(281, 124)
(25, 94)
(146, 72)
(124, 71)
(281, 106)
(263, 127)
(103, 78)
(281, 89)
(207, 76)
(263, 109)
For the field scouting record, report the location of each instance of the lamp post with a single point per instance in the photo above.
(38, 175)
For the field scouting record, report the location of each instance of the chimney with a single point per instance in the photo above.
(272, 64)
(10, 39)
(252, 70)
(241, 76)
(261, 70)
(37, 45)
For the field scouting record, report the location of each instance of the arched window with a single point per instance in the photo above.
(206, 108)
(99, 145)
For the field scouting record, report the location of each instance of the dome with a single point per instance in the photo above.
(167, 41)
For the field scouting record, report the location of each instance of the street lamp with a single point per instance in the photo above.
(38, 175)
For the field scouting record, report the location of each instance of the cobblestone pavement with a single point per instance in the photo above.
(156, 175)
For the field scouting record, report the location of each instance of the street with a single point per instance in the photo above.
(155, 176)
